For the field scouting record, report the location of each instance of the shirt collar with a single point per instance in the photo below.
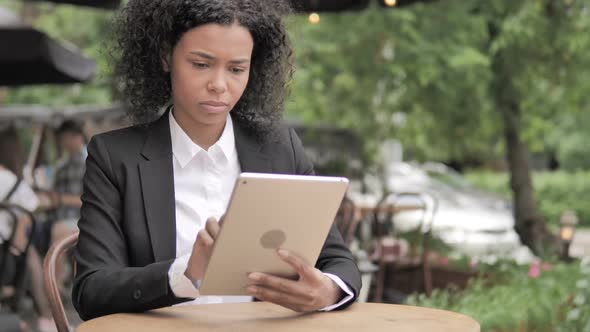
(184, 149)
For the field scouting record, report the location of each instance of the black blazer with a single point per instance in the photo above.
(127, 225)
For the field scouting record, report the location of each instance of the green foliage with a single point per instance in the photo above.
(422, 75)
(511, 300)
(578, 318)
(493, 182)
(570, 143)
(389, 73)
(555, 192)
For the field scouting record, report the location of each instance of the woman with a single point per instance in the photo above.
(153, 192)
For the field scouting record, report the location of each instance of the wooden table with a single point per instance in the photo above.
(261, 316)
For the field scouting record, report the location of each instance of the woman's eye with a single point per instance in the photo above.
(237, 70)
(200, 65)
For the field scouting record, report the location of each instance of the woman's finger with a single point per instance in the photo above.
(302, 268)
(212, 227)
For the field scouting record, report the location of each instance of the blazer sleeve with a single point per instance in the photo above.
(335, 257)
(104, 281)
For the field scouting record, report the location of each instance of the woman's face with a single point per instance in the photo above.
(209, 69)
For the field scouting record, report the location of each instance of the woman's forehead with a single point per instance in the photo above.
(219, 41)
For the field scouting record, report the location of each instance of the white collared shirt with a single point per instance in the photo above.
(203, 183)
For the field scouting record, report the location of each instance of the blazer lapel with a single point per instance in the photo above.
(250, 153)
(157, 186)
(157, 181)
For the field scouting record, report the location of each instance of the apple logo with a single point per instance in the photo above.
(273, 239)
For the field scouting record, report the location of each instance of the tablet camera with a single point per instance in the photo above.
(273, 239)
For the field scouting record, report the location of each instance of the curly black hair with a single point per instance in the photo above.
(148, 30)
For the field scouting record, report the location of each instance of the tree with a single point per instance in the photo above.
(526, 43)
(379, 73)
(459, 74)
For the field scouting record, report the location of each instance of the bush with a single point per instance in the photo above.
(518, 300)
(555, 192)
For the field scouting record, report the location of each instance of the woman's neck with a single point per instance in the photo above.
(201, 134)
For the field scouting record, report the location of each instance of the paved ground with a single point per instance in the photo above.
(29, 315)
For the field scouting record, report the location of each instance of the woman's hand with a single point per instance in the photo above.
(202, 248)
(312, 291)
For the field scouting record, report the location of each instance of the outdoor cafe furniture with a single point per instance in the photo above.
(263, 316)
(386, 249)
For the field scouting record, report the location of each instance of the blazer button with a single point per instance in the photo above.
(137, 294)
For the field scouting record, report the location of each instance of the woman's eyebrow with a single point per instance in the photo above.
(203, 55)
(239, 61)
(212, 58)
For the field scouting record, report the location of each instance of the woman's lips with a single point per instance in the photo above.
(214, 106)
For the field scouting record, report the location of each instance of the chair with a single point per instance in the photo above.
(347, 220)
(57, 307)
(387, 251)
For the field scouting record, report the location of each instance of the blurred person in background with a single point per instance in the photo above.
(67, 186)
(15, 191)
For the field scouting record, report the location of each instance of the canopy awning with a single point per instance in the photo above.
(306, 6)
(105, 4)
(25, 115)
(29, 56)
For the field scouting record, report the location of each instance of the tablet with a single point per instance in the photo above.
(266, 212)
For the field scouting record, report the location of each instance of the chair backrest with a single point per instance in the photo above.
(57, 307)
(389, 205)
